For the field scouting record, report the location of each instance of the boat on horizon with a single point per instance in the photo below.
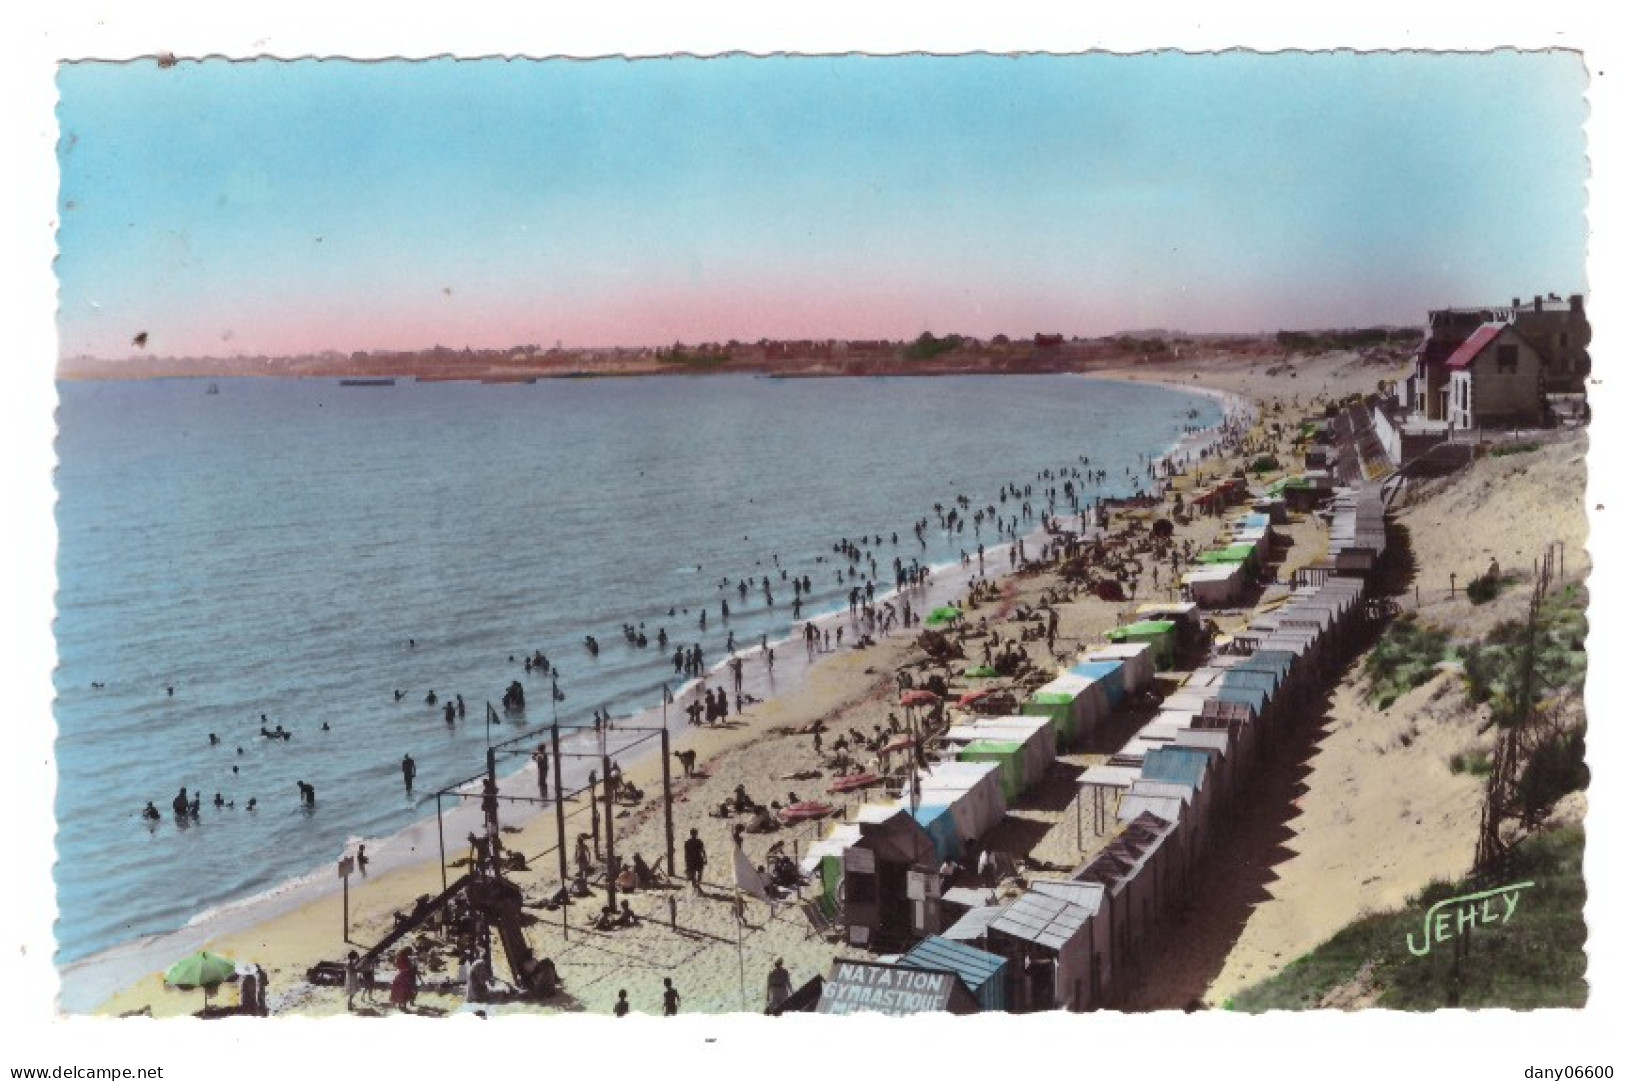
(366, 382)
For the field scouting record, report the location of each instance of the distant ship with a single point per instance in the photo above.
(214, 388)
(366, 382)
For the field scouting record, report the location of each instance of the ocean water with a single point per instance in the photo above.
(270, 549)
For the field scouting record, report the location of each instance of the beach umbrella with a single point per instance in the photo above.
(945, 614)
(918, 697)
(970, 697)
(202, 969)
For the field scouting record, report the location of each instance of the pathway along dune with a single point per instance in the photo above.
(1284, 882)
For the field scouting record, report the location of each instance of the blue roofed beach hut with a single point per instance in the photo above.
(983, 973)
(1109, 674)
(938, 822)
(1240, 692)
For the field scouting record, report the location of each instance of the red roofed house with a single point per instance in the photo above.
(1495, 380)
(1558, 330)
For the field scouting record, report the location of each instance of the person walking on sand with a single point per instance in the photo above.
(778, 985)
(669, 999)
(583, 856)
(352, 980)
(403, 989)
(622, 1007)
(694, 860)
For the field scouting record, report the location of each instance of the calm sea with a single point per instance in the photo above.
(270, 549)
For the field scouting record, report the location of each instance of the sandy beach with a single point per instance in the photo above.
(1361, 786)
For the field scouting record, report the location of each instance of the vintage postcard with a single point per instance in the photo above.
(1042, 534)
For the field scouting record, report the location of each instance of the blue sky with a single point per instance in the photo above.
(273, 207)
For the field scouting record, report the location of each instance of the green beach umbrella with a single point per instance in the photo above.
(202, 969)
(946, 614)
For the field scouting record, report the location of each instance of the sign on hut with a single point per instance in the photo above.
(894, 990)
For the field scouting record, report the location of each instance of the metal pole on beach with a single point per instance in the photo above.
(665, 781)
(739, 930)
(609, 833)
(558, 815)
(440, 828)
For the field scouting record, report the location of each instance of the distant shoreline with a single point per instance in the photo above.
(786, 361)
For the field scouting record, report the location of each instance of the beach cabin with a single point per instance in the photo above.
(1139, 664)
(1246, 555)
(1035, 734)
(1048, 936)
(938, 822)
(1183, 772)
(1109, 672)
(1237, 721)
(1159, 634)
(1253, 529)
(970, 791)
(1076, 703)
(1184, 615)
(973, 916)
(1129, 869)
(875, 868)
(1217, 585)
(1008, 756)
(984, 974)
(822, 863)
(896, 990)
(1272, 507)
(1218, 745)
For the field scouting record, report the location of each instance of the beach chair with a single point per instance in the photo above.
(818, 923)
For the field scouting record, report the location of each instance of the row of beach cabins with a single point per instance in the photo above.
(1166, 795)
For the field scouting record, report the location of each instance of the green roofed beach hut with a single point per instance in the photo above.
(1037, 736)
(1074, 702)
(1243, 553)
(1007, 755)
(1159, 633)
(1055, 705)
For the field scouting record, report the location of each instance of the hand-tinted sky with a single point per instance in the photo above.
(274, 207)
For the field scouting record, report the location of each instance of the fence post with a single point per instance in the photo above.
(665, 780)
